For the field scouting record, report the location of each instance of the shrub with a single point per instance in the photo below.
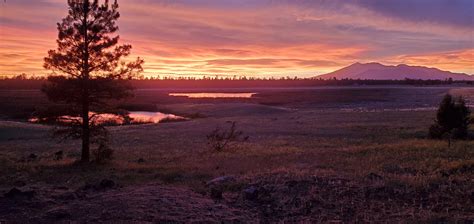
(452, 119)
(219, 139)
(103, 153)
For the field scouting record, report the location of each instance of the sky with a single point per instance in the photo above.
(258, 37)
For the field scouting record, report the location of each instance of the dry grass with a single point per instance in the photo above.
(414, 160)
(368, 164)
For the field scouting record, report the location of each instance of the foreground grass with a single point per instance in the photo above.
(412, 158)
(418, 162)
(414, 180)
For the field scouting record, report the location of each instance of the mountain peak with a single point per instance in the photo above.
(368, 63)
(373, 63)
(375, 70)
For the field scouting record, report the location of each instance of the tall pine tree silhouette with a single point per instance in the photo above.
(89, 65)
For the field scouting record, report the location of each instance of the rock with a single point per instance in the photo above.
(16, 193)
(19, 183)
(106, 184)
(69, 196)
(88, 187)
(216, 193)
(13, 192)
(220, 180)
(380, 193)
(32, 157)
(58, 214)
(58, 155)
(374, 177)
(62, 188)
(250, 193)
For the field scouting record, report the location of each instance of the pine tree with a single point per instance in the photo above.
(89, 65)
(452, 119)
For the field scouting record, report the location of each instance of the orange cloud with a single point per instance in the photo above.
(462, 61)
(23, 51)
(249, 60)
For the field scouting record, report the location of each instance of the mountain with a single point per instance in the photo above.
(386, 72)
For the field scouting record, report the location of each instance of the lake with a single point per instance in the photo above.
(213, 95)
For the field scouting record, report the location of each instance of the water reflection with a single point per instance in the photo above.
(214, 95)
(134, 117)
(152, 117)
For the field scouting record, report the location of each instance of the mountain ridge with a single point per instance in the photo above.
(378, 71)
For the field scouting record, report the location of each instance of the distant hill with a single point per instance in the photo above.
(385, 72)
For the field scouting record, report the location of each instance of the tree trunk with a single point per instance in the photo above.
(85, 154)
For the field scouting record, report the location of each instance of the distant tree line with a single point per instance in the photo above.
(25, 76)
(34, 82)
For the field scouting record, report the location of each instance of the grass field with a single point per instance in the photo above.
(350, 154)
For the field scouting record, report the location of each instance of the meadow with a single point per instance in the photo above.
(314, 154)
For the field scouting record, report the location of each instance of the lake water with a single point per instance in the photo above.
(135, 117)
(213, 95)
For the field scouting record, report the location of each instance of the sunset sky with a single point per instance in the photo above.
(258, 37)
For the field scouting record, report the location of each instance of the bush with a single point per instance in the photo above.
(452, 119)
(103, 153)
(220, 139)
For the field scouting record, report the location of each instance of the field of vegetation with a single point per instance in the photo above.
(326, 154)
